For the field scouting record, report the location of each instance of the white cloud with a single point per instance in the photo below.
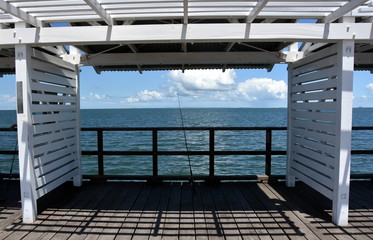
(145, 96)
(202, 80)
(214, 85)
(370, 88)
(7, 98)
(261, 89)
(96, 96)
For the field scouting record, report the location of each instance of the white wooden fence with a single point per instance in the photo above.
(48, 124)
(320, 113)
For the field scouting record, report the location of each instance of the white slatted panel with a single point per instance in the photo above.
(54, 121)
(313, 112)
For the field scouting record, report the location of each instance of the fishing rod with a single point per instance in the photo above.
(191, 179)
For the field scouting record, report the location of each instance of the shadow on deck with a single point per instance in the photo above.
(241, 210)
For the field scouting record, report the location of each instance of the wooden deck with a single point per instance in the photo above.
(241, 210)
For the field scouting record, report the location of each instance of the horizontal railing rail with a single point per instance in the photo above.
(155, 152)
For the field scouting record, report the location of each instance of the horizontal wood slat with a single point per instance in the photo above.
(53, 60)
(315, 135)
(317, 116)
(327, 192)
(52, 69)
(323, 95)
(317, 126)
(332, 50)
(314, 106)
(53, 98)
(314, 86)
(53, 79)
(54, 155)
(52, 167)
(313, 174)
(52, 107)
(57, 117)
(322, 168)
(51, 88)
(327, 62)
(53, 127)
(53, 136)
(313, 76)
(57, 182)
(54, 146)
(321, 157)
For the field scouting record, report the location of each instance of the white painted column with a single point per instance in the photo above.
(78, 179)
(24, 125)
(343, 136)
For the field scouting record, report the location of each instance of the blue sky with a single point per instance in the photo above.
(205, 88)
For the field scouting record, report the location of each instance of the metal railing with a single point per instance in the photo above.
(211, 152)
(155, 152)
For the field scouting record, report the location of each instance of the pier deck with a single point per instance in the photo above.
(241, 210)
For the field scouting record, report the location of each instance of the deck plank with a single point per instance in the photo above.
(199, 214)
(269, 221)
(79, 220)
(243, 221)
(172, 221)
(187, 226)
(124, 209)
(304, 211)
(213, 223)
(174, 210)
(227, 219)
(128, 227)
(148, 215)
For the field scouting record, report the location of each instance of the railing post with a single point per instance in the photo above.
(212, 153)
(155, 153)
(268, 152)
(100, 154)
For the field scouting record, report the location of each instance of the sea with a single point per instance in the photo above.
(188, 140)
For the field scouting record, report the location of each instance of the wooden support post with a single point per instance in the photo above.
(155, 153)
(212, 155)
(268, 152)
(100, 149)
(343, 135)
(24, 126)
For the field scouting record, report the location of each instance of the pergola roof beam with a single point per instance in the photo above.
(96, 6)
(256, 10)
(9, 8)
(348, 7)
(167, 33)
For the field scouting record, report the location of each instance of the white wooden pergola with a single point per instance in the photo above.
(321, 41)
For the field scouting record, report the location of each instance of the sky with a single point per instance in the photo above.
(196, 88)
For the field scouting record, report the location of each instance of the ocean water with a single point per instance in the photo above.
(197, 140)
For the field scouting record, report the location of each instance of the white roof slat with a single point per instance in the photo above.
(56, 9)
(299, 9)
(256, 10)
(351, 5)
(9, 8)
(76, 18)
(96, 6)
(27, 4)
(35, 11)
(66, 14)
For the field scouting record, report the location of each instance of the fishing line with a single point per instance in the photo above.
(191, 180)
